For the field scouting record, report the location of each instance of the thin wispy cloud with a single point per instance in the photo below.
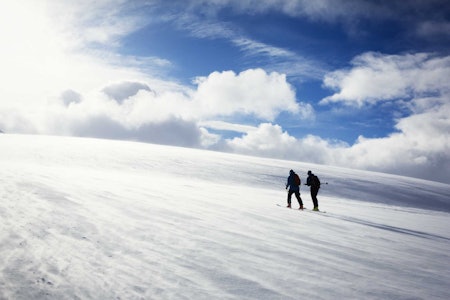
(281, 59)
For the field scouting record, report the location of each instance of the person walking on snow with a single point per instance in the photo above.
(314, 183)
(293, 182)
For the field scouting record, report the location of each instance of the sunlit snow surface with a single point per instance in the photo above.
(96, 219)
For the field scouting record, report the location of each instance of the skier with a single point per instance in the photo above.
(314, 183)
(293, 182)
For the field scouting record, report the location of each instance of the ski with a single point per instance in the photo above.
(304, 208)
(290, 207)
(315, 211)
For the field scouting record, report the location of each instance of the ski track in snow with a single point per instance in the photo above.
(95, 219)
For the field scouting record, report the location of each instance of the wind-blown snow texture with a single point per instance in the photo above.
(96, 219)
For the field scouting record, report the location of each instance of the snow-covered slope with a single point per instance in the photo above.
(97, 219)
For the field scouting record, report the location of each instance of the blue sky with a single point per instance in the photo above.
(362, 84)
(319, 42)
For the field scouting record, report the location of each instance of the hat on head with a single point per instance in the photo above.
(309, 172)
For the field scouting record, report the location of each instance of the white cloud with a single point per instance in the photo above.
(124, 90)
(133, 110)
(255, 47)
(221, 125)
(55, 79)
(251, 92)
(199, 25)
(281, 59)
(70, 96)
(421, 145)
(375, 77)
(267, 140)
(270, 140)
(419, 148)
(173, 131)
(47, 47)
(87, 22)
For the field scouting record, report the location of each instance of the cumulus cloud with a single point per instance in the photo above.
(375, 77)
(270, 140)
(251, 92)
(176, 132)
(266, 140)
(420, 149)
(421, 145)
(132, 110)
(123, 90)
(70, 96)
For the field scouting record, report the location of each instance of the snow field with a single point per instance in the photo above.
(93, 219)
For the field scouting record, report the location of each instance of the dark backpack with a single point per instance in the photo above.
(315, 181)
(297, 179)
